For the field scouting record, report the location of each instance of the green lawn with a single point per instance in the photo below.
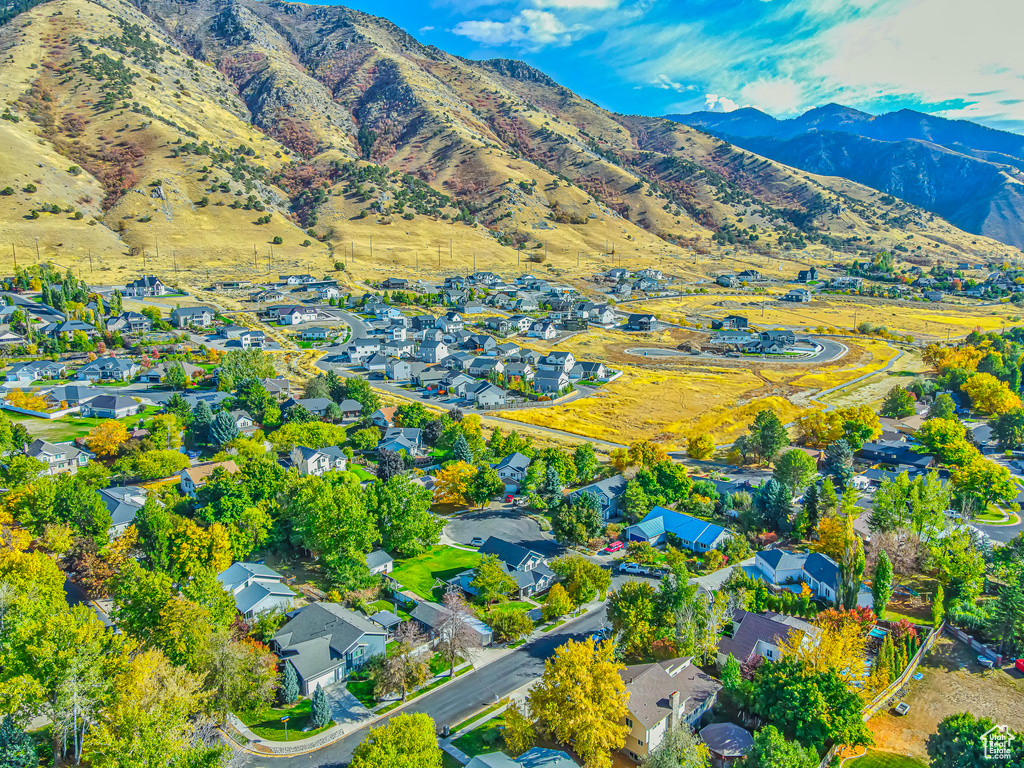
(360, 472)
(486, 738)
(362, 690)
(438, 665)
(447, 761)
(876, 759)
(267, 724)
(418, 574)
(479, 715)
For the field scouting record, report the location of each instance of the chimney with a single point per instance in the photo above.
(673, 705)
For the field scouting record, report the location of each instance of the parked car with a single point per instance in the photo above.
(509, 498)
(615, 546)
(602, 634)
(633, 568)
(477, 541)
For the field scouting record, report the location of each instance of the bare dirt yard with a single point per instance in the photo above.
(953, 682)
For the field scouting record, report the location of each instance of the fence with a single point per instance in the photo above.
(872, 708)
(41, 414)
(963, 637)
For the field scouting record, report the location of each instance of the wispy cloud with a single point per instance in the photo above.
(530, 29)
(424, 30)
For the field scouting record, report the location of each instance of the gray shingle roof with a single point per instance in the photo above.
(378, 557)
(651, 685)
(317, 639)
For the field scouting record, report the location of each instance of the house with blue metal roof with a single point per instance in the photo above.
(693, 533)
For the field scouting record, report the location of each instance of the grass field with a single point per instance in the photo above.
(486, 738)
(266, 723)
(418, 574)
(71, 427)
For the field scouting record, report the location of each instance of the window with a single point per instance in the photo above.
(768, 653)
(629, 723)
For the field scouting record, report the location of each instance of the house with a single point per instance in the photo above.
(486, 395)
(527, 567)
(387, 621)
(807, 275)
(316, 405)
(535, 757)
(266, 296)
(361, 350)
(481, 367)
(933, 295)
(609, 494)
(213, 399)
(847, 283)
(502, 325)
(433, 618)
(799, 295)
(458, 383)
(592, 371)
(641, 322)
(58, 458)
(433, 351)
(450, 322)
(256, 588)
(107, 369)
(480, 342)
(351, 409)
(397, 333)
(522, 371)
(397, 370)
(550, 382)
(36, 370)
(245, 423)
(324, 643)
(379, 561)
(194, 478)
(730, 323)
(395, 284)
(9, 339)
(521, 323)
(750, 275)
(383, 417)
(315, 333)
(376, 363)
(327, 293)
(772, 342)
(401, 439)
(895, 454)
(309, 461)
(663, 696)
(123, 503)
(727, 281)
(557, 360)
(296, 279)
(129, 322)
(428, 378)
(294, 315)
(693, 534)
(66, 329)
(470, 307)
(253, 340)
(398, 348)
(818, 571)
(69, 396)
(543, 329)
(761, 634)
(158, 372)
(512, 469)
(196, 317)
(727, 743)
(278, 387)
(147, 285)
(111, 407)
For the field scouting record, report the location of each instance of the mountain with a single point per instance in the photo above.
(967, 173)
(241, 137)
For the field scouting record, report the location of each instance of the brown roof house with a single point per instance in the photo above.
(662, 696)
(194, 478)
(762, 634)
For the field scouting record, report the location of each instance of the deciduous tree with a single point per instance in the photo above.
(403, 741)
(106, 438)
(700, 447)
(491, 581)
(795, 470)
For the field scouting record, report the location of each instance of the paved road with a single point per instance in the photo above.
(830, 352)
(452, 703)
(506, 523)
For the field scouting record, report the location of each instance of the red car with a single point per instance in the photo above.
(509, 498)
(615, 546)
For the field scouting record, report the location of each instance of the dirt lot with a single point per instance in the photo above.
(945, 690)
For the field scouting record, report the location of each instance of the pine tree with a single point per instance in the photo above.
(811, 504)
(289, 685)
(223, 429)
(17, 748)
(202, 417)
(553, 484)
(319, 711)
(461, 450)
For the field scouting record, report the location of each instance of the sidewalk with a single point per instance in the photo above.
(448, 744)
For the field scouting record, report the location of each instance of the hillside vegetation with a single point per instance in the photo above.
(215, 138)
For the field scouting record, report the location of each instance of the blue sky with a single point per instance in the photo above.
(956, 58)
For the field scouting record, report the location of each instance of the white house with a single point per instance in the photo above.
(194, 478)
(820, 572)
(512, 469)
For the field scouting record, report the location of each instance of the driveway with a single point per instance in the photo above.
(506, 523)
(345, 708)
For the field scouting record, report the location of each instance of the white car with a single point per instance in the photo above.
(633, 568)
(477, 541)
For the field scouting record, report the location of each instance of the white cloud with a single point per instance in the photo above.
(774, 95)
(424, 30)
(530, 29)
(715, 103)
(578, 5)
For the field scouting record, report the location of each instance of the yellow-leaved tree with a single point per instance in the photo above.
(990, 395)
(581, 698)
(105, 439)
(839, 648)
(452, 483)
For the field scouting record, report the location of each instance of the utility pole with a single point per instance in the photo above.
(474, 261)
(174, 259)
(353, 250)
(254, 261)
(90, 262)
(14, 250)
(37, 250)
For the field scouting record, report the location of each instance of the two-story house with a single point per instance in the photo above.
(256, 588)
(194, 478)
(527, 567)
(58, 458)
(762, 634)
(512, 469)
(608, 492)
(195, 317)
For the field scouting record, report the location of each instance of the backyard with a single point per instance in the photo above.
(266, 723)
(418, 574)
(69, 428)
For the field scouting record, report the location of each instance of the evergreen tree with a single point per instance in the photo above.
(839, 462)
(768, 436)
(827, 499)
(179, 407)
(773, 503)
(552, 488)
(461, 450)
(223, 429)
(881, 585)
(199, 427)
(811, 504)
(17, 748)
(319, 710)
(289, 685)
